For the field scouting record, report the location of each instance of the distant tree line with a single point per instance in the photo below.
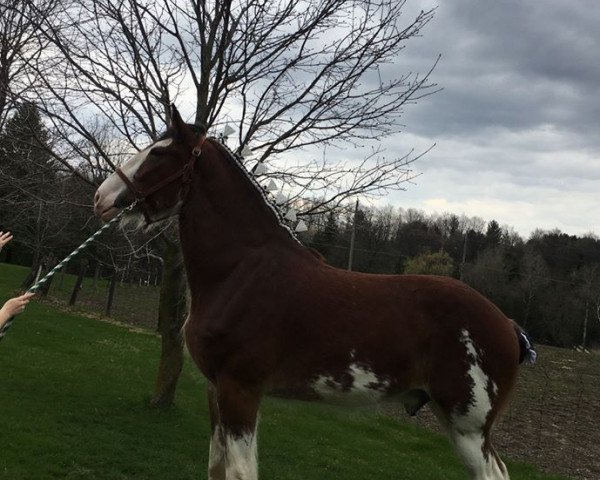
(549, 283)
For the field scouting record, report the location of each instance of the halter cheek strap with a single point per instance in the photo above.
(185, 173)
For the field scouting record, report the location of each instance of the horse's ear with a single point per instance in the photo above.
(177, 124)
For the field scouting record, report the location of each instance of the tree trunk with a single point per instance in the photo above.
(111, 292)
(43, 291)
(35, 266)
(62, 277)
(96, 275)
(527, 308)
(172, 312)
(79, 282)
(585, 326)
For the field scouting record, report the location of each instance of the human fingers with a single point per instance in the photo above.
(21, 302)
(16, 305)
(5, 237)
(26, 296)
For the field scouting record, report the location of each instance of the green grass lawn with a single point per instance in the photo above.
(73, 405)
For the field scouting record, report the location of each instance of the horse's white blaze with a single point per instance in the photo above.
(365, 387)
(240, 460)
(114, 186)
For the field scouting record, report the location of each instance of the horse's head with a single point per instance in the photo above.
(158, 176)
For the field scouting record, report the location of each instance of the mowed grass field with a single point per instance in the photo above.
(74, 397)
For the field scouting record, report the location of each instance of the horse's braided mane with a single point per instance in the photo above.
(238, 162)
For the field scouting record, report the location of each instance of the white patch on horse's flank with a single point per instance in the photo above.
(363, 378)
(241, 460)
(366, 387)
(480, 403)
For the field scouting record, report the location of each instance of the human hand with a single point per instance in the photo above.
(5, 238)
(14, 306)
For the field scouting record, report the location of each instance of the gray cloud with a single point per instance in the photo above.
(517, 124)
(512, 64)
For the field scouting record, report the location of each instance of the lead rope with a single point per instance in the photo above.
(52, 272)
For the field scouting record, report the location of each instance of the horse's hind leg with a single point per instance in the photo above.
(470, 437)
(468, 395)
(479, 457)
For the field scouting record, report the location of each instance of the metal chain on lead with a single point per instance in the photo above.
(67, 259)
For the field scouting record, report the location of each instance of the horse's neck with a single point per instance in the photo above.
(224, 219)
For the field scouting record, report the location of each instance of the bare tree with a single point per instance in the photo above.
(28, 181)
(534, 278)
(588, 286)
(289, 75)
(20, 45)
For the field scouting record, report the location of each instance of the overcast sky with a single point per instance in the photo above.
(516, 126)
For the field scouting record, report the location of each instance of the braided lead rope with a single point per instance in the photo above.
(67, 259)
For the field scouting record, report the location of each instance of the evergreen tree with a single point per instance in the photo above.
(29, 193)
(23, 146)
(326, 238)
(493, 235)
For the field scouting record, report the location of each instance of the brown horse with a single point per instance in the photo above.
(266, 311)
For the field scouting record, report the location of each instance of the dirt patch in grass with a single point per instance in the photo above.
(553, 418)
(133, 305)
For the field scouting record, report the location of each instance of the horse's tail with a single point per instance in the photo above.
(527, 352)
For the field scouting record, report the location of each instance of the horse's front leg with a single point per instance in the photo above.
(233, 454)
(216, 454)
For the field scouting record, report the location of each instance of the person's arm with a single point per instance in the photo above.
(13, 307)
(5, 238)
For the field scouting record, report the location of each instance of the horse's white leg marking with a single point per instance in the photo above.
(482, 388)
(469, 446)
(467, 429)
(216, 456)
(502, 470)
(232, 457)
(480, 404)
(241, 459)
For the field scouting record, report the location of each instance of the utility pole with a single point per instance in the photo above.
(464, 256)
(352, 237)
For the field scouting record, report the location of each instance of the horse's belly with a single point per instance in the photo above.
(358, 386)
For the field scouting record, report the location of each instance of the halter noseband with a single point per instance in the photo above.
(185, 173)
